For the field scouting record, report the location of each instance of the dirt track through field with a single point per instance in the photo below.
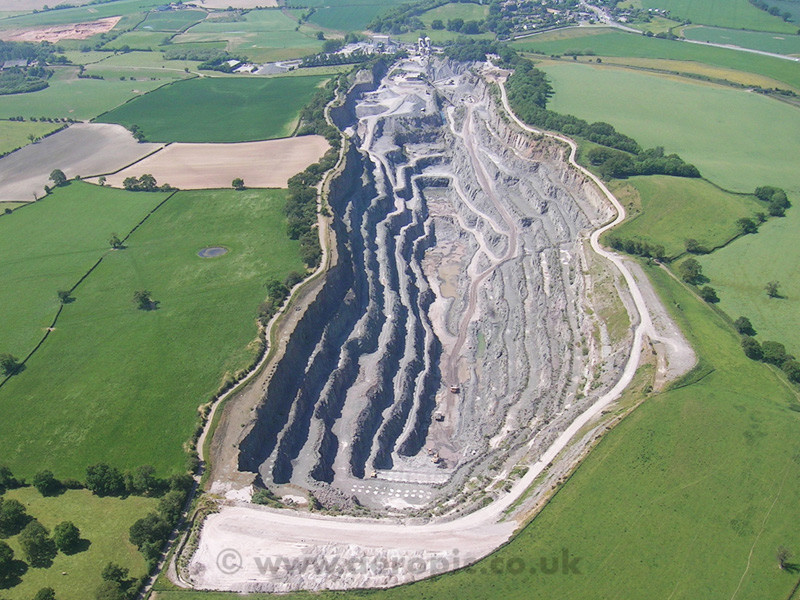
(267, 164)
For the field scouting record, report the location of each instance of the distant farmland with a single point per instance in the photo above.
(232, 109)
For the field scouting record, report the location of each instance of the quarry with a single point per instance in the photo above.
(449, 354)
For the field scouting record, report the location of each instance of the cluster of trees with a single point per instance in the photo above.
(105, 480)
(773, 10)
(613, 163)
(638, 248)
(775, 198)
(692, 272)
(145, 183)
(150, 533)
(30, 75)
(277, 292)
(116, 584)
(38, 546)
(405, 18)
(770, 352)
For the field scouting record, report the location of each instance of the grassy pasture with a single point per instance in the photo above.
(171, 21)
(758, 40)
(736, 14)
(669, 504)
(48, 246)
(740, 272)
(14, 134)
(789, 6)
(656, 25)
(264, 35)
(670, 210)
(237, 109)
(731, 135)
(138, 40)
(68, 96)
(348, 17)
(121, 385)
(603, 42)
(141, 65)
(468, 12)
(104, 522)
(81, 14)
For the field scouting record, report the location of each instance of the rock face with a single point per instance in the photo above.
(451, 336)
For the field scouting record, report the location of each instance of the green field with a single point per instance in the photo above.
(767, 42)
(264, 35)
(68, 96)
(171, 20)
(674, 209)
(730, 135)
(604, 42)
(468, 12)
(139, 40)
(48, 246)
(104, 522)
(669, 505)
(348, 17)
(736, 14)
(81, 14)
(122, 385)
(141, 65)
(236, 109)
(740, 272)
(14, 134)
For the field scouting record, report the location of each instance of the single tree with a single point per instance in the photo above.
(746, 226)
(7, 480)
(66, 537)
(64, 296)
(113, 572)
(694, 247)
(12, 517)
(437, 24)
(238, 183)
(115, 242)
(143, 300)
(792, 369)
(142, 480)
(57, 177)
(101, 180)
(130, 183)
(709, 294)
(752, 349)
(691, 271)
(46, 593)
(103, 480)
(9, 365)
(773, 289)
(744, 326)
(110, 590)
(783, 555)
(38, 548)
(774, 353)
(148, 183)
(6, 562)
(46, 483)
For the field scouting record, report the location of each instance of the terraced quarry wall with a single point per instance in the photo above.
(451, 338)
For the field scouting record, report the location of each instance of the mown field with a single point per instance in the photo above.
(14, 134)
(605, 42)
(236, 109)
(68, 96)
(670, 210)
(141, 65)
(669, 505)
(103, 522)
(121, 385)
(736, 14)
(171, 21)
(263, 35)
(48, 246)
(80, 14)
(767, 42)
(455, 10)
(730, 135)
